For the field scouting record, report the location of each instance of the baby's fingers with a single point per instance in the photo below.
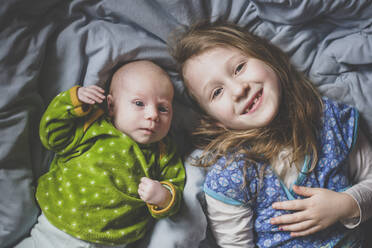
(95, 93)
(91, 94)
(143, 193)
(97, 88)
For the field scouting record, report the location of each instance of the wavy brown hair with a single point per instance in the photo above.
(297, 122)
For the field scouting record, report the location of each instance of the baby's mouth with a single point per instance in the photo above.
(148, 130)
(253, 103)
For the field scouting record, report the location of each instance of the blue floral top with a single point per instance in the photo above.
(336, 138)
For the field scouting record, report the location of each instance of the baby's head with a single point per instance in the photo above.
(140, 101)
(238, 79)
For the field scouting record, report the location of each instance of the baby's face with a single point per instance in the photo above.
(240, 92)
(143, 106)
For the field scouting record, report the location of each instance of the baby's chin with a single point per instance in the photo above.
(148, 141)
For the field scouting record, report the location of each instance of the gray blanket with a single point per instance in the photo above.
(50, 45)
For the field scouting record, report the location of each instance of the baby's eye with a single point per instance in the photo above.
(139, 103)
(216, 92)
(239, 68)
(163, 109)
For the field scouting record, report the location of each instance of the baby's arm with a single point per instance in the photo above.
(60, 121)
(324, 207)
(153, 192)
(231, 225)
(164, 197)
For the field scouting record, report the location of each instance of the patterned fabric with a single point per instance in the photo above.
(336, 138)
(90, 191)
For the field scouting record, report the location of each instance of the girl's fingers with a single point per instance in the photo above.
(290, 205)
(304, 191)
(298, 227)
(290, 218)
(306, 232)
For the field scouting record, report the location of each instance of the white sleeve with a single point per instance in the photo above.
(360, 169)
(231, 225)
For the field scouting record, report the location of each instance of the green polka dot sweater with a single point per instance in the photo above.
(90, 191)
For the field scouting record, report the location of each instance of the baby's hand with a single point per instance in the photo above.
(152, 192)
(319, 210)
(91, 94)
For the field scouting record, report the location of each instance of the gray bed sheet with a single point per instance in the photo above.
(50, 45)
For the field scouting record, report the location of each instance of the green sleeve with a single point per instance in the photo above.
(62, 124)
(172, 175)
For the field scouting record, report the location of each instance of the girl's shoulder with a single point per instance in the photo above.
(231, 180)
(338, 110)
(339, 122)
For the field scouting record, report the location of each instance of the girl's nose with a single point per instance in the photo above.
(151, 113)
(239, 90)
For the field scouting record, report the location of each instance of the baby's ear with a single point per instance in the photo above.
(219, 124)
(110, 104)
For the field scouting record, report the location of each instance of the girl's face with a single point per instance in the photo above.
(240, 92)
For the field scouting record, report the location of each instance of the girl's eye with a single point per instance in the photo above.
(139, 103)
(163, 109)
(216, 92)
(239, 68)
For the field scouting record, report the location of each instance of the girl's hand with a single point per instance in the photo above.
(152, 192)
(91, 94)
(321, 209)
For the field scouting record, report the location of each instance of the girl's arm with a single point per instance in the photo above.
(360, 170)
(231, 225)
(324, 207)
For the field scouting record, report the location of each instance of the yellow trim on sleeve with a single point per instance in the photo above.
(74, 98)
(80, 111)
(155, 209)
(93, 118)
(80, 108)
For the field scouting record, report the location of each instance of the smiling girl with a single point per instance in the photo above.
(268, 136)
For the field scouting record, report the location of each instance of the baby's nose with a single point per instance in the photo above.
(152, 114)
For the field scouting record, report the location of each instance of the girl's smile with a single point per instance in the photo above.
(240, 92)
(254, 103)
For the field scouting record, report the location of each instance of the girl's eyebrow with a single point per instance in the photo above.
(235, 58)
(229, 63)
(209, 84)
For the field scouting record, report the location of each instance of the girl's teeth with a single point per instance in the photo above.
(254, 102)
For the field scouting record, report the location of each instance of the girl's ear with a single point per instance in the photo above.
(110, 105)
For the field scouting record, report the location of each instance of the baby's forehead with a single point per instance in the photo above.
(141, 72)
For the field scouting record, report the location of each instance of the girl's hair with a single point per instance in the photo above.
(297, 121)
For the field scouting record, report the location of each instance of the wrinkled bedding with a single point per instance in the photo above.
(50, 45)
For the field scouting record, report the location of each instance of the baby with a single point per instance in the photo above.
(113, 171)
